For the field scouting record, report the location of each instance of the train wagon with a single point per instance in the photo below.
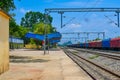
(98, 44)
(77, 45)
(92, 44)
(115, 43)
(86, 45)
(95, 44)
(106, 43)
(81, 45)
(74, 45)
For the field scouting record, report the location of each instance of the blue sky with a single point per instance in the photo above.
(82, 22)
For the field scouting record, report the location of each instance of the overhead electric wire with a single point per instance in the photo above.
(97, 1)
(68, 21)
(74, 17)
(110, 20)
(95, 4)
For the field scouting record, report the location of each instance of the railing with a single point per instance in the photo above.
(16, 43)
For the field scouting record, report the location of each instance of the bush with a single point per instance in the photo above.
(32, 46)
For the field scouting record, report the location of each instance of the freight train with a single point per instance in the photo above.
(111, 43)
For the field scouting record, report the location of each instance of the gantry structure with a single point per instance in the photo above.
(61, 11)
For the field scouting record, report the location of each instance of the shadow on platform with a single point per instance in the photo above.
(22, 59)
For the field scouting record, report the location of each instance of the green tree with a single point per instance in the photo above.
(32, 18)
(16, 30)
(96, 39)
(22, 31)
(7, 5)
(40, 28)
(13, 27)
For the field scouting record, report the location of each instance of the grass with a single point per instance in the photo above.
(75, 52)
(94, 56)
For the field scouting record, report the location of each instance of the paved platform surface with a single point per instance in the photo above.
(33, 65)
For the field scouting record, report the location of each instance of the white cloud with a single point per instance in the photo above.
(94, 15)
(74, 25)
(22, 10)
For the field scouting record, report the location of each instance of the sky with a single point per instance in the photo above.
(75, 22)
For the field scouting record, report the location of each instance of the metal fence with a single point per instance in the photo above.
(16, 43)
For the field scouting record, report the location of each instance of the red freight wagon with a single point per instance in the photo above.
(92, 44)
(95, 44)
(115, 43)
(98, 44)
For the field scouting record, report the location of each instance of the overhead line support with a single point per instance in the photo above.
(55, 10)
(61, 14)
(118, 18)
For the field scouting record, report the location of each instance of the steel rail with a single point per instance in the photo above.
(97, 65)
(79, 65)
(116, 57)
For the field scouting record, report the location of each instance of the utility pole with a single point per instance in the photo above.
(61, 15)
(118, 18)
(103, 35)
(45, 30)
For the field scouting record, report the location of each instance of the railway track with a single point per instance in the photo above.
(104, 54)
(108, 51)
(96, 71)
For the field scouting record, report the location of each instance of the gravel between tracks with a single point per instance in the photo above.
(112, 64)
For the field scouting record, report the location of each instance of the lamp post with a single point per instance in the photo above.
(46, 21)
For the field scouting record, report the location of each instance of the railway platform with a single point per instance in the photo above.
(33, 65)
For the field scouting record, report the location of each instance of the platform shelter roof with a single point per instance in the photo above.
(52, 37)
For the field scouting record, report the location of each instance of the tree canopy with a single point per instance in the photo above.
(7, 5)
(39, 28)
(33, 21)
(32, 18)
(96, 39)
(16, 30)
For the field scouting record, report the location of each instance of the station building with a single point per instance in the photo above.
(4, 41)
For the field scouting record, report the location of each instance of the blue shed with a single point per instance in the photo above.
(106, 43)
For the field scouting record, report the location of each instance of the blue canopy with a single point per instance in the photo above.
(54, 41)
(35, 36)
(53, 37)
